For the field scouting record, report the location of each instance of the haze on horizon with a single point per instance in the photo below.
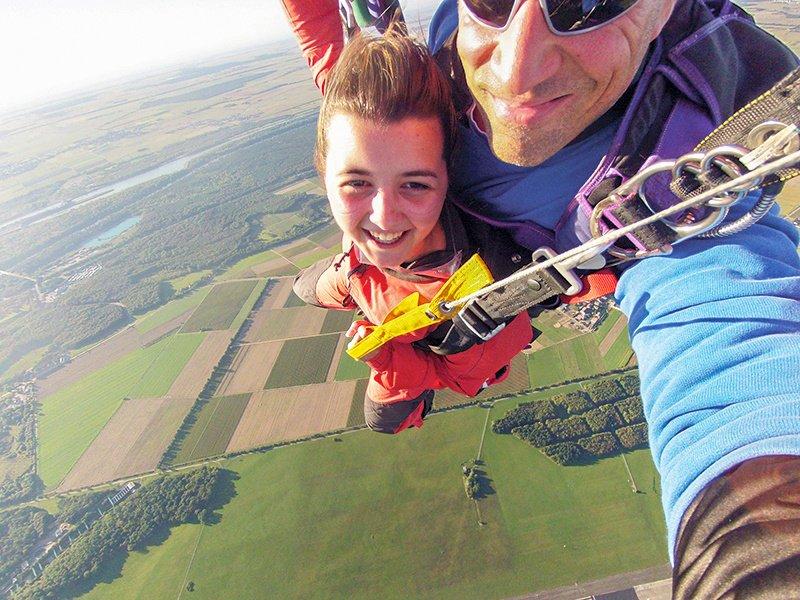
(50, 48)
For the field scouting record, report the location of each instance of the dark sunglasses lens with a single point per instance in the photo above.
(494, 12)
(576, 15)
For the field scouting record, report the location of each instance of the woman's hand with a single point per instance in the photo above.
(359, 330)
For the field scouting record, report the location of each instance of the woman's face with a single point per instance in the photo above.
(386, 185)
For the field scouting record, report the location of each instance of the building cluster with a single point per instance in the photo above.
(585, 316)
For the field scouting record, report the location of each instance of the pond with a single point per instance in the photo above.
(110, 234)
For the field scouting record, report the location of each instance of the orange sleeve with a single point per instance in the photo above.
(402, 372)
(318, 29)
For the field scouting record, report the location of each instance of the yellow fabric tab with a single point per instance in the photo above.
(409, 315)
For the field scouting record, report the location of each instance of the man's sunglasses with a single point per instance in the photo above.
(564, 17)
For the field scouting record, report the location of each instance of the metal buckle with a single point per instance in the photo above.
(575, 284)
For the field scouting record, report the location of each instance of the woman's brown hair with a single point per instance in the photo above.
(386, 79)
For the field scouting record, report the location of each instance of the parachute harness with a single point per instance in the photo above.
(758, 147)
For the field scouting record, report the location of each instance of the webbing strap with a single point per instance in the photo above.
(595, 285)
(409, 315)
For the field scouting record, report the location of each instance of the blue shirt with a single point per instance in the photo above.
(715, 325)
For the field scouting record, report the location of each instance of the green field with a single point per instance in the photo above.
(293, 301)
(319, 236)
(180, 284)
(337, 320)
(356, 415)
(386, 516)
(299, 248)
(277, 225)
(306, 260)
(220, 307)
(350, 368)
(239, 267)
(212, 430)
(171, 310)
(73, 416)
(302, 361)
(167, 366)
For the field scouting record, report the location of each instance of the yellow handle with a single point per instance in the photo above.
(409, 315)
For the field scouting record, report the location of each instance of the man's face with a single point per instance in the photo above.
(536, 91)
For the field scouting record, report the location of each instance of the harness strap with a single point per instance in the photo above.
(410, 315)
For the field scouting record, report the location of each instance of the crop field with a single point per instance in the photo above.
(303, 361)
(516, 382)
(132, 442)
(309, 258)
(250, 368)
(337, 320)
(198, 369)
(275, 267)
(105, 353)
(350, 368)
(315, 509)
(249, 303)
(297, 248)
(243, 268)
(168, 365)
(293, 301)
(212, 430)
(286, 414)
(220, 307)
(23, 364)
(285, 323)
(356, 415)
(171, 310)
(73, 416)
(329, 236)
(277, 294)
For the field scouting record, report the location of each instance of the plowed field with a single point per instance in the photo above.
(195, 373)
(286, 414)
(278, 294)
(250, 368)
(132, 441)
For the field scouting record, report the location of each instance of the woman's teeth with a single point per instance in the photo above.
(386, 238)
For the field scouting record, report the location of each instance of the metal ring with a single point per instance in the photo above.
(720, 158)
(762, 132)
(594, 227)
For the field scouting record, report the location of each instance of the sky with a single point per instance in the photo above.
(52, 47)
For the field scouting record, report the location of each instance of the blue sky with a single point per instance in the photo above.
(52, 47)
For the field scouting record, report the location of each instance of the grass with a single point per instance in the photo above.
(180, 284)
(620, 352)
(336, 321)
(169, 311)
(73, 416)
(350, 368)
(212, 430)
(277, 225)
(166, 368)
(298, 248)
(386, 516)
(319, 236)
(303, 361)
(220, 307)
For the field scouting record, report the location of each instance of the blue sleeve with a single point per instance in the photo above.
(443, 23)
(716, 328)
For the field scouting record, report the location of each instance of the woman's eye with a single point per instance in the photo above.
(417, 185)
(355, 184)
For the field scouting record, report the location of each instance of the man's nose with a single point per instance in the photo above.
(384, 208)
(526, 53)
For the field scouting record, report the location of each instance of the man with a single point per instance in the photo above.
(561, 100)
(557, 102)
